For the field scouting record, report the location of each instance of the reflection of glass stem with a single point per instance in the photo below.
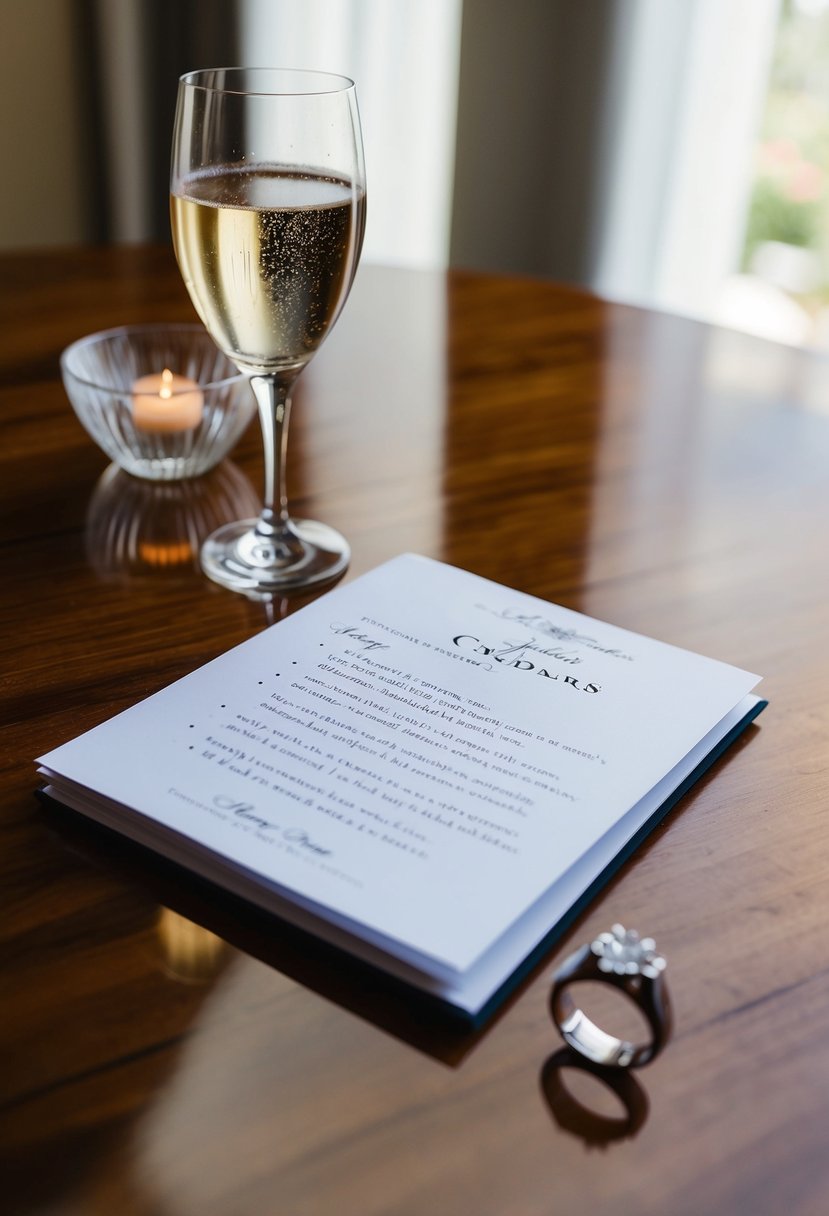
(276, 608)
(191, 954)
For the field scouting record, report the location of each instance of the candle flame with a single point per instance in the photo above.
(166, 391)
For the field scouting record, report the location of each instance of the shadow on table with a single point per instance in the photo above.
(418, 1019)
(593, 1126)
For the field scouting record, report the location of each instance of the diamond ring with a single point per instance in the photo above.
(631, 963)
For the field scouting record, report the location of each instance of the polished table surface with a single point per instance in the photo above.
(168, 1051)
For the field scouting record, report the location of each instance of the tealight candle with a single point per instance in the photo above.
(166, 402)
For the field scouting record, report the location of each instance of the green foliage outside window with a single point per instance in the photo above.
(790, 195)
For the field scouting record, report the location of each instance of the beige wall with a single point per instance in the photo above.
(42, 199)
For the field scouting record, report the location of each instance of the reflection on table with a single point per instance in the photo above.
(139, 529)
(643, 468)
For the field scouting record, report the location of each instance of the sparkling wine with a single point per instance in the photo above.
(268, 256)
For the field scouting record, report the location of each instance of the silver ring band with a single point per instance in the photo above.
(627, 962)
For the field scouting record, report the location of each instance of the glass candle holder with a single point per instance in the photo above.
(160, 400)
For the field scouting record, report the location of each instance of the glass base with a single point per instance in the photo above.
(237, 557)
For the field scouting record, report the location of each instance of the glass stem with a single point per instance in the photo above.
(273, 396)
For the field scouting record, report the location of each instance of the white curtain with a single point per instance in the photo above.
(609, 142)
(685, 111)
(403, 56)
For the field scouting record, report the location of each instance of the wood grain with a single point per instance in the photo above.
(647, 469)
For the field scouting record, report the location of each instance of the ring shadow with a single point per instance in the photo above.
(572, 1116)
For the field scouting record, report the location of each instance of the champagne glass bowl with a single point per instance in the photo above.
(154, 427)
(267, 203)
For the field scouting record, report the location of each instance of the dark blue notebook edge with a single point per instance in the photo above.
(561, 926)
(439, 1006)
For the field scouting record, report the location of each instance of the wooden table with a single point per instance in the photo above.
(167, 1051)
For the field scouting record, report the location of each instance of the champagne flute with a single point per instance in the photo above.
(268, 211)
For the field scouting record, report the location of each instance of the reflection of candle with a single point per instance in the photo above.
(165, 553)
(166, 402)
(191, 953)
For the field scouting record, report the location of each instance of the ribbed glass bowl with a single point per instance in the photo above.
(164, 436)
